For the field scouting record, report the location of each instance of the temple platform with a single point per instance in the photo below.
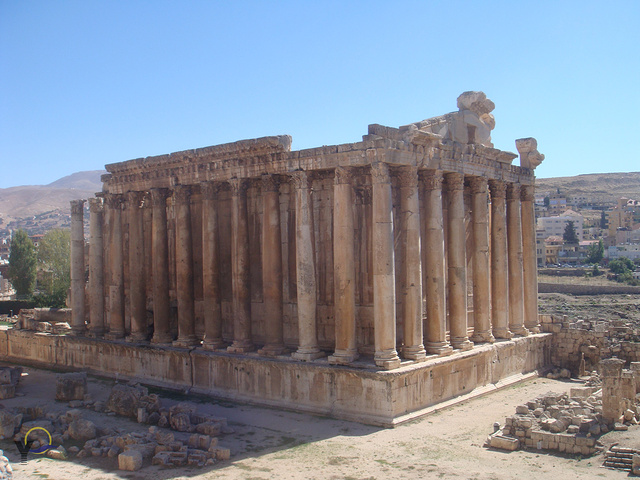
(360, 393)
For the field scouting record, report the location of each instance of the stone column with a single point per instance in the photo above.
(529, 260)
(137, 288)
(611, 372)
(211, 267)
(499, 263)
(240, 273)
(514, 243)
(160, 267)
(481, 269)
(457, 262)
(77, 268)
(384, 275)
(412, 270)
(272, 266)
(434, 267)
(116, 286)
(96, 268)
(184, 269)
(344, 268)
(305, 270)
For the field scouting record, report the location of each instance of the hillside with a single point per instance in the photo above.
(600, 187)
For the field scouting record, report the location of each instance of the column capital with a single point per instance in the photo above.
(431, 179)
(300, 179)
(454, 181)
(96, 205)
(380, 173)
(210, 189)
(77, 207)
(498, 188)
(343, 175)
(182, 193)
(270, 183)
(478, 185)
(159, 195)
(513, 191)
(135, 199)
(527, 193)
(114, 200)
(239, 186)
(408, 176)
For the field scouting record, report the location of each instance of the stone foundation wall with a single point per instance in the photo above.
(363, 394)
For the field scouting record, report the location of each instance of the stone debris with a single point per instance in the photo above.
(71, 386)
(6, 472)
(9, 378)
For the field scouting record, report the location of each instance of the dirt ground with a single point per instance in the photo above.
(270, 443)
(592, 307)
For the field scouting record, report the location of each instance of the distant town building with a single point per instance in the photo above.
(557, 204)
(554, 226)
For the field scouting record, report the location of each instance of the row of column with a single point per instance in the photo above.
(503, 257)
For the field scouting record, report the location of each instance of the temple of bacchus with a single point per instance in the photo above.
(368, 280)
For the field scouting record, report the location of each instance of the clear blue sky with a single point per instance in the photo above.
(85, 83)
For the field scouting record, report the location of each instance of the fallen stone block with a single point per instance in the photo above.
(58, 453)
(71, 386)
(130, 461)
(82, 429)
(497, 441)
(123, 399)
(221, 453)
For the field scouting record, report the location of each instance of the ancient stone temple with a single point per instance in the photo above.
(366, 280)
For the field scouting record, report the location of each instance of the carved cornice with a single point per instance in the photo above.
(77, 207)
(380, 173)
(528, 193)
(408, 177)
(454, 181)
(114, 200)
(498, 188)
(96, 205)
(431, 179)
(270, 183)
(513, 191)
(135, 199)
(300, 179)
(239, 186)
(478, 185)
(343, 176)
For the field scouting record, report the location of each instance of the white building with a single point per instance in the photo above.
(631, 251)
(556, 225)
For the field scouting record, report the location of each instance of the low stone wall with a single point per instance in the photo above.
(586, 289)
(366, 395)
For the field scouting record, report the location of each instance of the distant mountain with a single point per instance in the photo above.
(599, 187)
(29, 200)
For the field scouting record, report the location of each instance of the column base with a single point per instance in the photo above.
(79, 331)
(272, 350)
(439, 348)
(343, 357)
(114, 335)
(387, 359)
(462, 343)
(483, 337)
(186, 342)
(97, 333)
(165, 339)
(241, 346)
(520, 331)
(307, 354)
(137, 338)
(414, 352)
(217, 344)
(502, 333)
(533, 328)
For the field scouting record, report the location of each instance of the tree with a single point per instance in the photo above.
(547, 202)
(595, 254)
(22, 264)
(569, 235)
(603, 220)
(55, 263)
(621, 266)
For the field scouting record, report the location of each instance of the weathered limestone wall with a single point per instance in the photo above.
(376, 397)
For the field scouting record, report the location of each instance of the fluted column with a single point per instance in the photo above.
(457, 262)
(434, 266)
(160, 267)
(346, 350)
(412, 269)
(384, 276)
(499, 261)
(137, 288)
(481, 269)
(116, 261)
(514, 244)
(184, 268)
(96, 268)
(77, 268)
(305, 271)
(211, 267)
(240, 273)
(272, 266)
(530, 264)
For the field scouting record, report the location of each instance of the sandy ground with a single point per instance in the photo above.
(270, 443)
